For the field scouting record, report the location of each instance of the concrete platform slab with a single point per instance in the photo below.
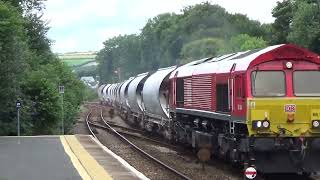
(113, 164)
(61, 158)
(35, 158)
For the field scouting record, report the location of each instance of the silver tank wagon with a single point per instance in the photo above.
(104, 92)
(124, 92)
(134, 93)
(156, 95)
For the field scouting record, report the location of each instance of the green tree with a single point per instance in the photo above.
(298, 22)
(202, 48)
(283, 13)
(31, 73)
(200, 30)
(305, 27)
(43, 93)
(243, 42)
(13, 51)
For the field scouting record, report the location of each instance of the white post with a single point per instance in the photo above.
(61, 91)
(18, 124)
(62, 115)
(18, 106)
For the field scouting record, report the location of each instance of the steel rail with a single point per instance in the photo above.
(135, 135)
(124, 128)
(88, 124)
(145, 153)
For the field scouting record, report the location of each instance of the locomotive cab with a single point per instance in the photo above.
(284, 98)
(283, 110)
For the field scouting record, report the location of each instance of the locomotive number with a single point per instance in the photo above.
(315, 114)
(290, 108)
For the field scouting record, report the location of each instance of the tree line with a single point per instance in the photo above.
(205, 30)
(31, 73)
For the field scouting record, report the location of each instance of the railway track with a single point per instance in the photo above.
(88, 125)
(123, 132)
(133, 134)
(124, 128)
(121, 136)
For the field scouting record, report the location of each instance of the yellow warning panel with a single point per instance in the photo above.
(75, 161)
(315, 114)
(92, 168)
(259, 114)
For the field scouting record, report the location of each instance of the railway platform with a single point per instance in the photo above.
(69, 157)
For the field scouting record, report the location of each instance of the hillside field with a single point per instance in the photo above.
(77, 59)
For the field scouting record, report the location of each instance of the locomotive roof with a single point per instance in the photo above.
(242, 60)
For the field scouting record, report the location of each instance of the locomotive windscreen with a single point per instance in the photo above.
(306, 83)
(268, 83)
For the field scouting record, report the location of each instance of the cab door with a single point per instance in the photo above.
(239, 96)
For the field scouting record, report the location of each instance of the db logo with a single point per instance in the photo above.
(290, 108)
(250, 173)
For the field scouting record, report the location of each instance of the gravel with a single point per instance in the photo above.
(80, 127)
(187, 163)
(183, 162)
(134, 158)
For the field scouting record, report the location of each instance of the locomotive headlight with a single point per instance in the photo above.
(315, 123)
(289, 65)
(256, 124)
(260, 124)
(266, 124)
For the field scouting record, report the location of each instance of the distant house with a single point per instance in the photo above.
(90, 81)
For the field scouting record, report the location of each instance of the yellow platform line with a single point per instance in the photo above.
(94, 170)
(75, 161)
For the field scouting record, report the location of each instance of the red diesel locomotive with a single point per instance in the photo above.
(258, 107)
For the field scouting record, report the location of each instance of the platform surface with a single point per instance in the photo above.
(61, 158)
(35, 158)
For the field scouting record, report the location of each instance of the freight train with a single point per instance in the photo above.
(258, 108)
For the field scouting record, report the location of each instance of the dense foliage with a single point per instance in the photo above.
(31, 73)
(298, 21)
(206, 30)
(200, 31)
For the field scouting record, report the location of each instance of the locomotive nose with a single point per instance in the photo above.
(289, 117)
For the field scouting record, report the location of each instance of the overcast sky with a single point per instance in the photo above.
(83, 25)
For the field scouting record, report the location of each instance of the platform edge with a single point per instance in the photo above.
(75, 161)
(122, 161)
(94, 169)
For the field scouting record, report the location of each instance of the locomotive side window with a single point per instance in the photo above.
(268, 83)
(179, 92)
(222, 98)
(306, 83)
